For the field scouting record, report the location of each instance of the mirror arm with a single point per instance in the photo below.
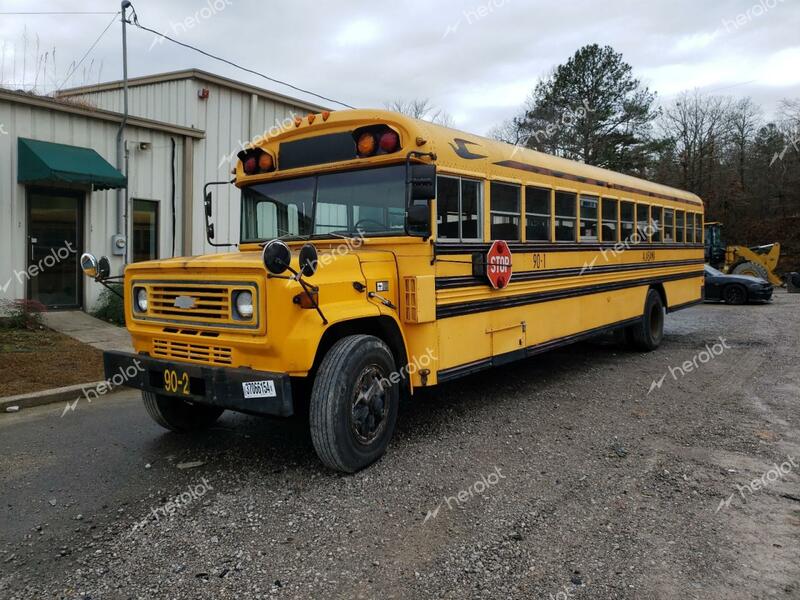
(207, 211)
(109, 288)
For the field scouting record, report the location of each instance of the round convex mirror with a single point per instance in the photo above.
(276, 257)
(309, 259)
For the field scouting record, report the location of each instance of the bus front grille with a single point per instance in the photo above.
(192, 352)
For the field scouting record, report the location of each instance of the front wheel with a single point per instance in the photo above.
(178, 415)
(354, 403)
(647, 334)
(734, 294)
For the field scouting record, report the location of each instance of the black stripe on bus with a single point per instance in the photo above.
(444, 311)
(458, 281)
(521, 166)
(685, 305)
(442, 248)
(479, 365)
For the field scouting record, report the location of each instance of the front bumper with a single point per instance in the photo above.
(223, 387)
(762, 293)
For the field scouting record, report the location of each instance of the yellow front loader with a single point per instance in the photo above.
(758, 261)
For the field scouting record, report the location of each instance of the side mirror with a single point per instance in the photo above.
(309, 259)
(418, 220)
(277, 257)
(209, 224)
(103, 268)
(89, 265)
(422, 180)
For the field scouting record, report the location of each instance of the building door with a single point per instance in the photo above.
(145, 230)
(55, 227)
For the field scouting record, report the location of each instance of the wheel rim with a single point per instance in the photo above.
(370, 406)
(735, 295)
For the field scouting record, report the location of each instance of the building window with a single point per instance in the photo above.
(504, 205)
(610, 209)
(588, 231)
(537, 214)
(656, 224)
(565, 216)
(626, 220)
(458, 208)
(642, 222)
(669, 223)
(145, 230)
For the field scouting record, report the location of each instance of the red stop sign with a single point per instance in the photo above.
(498, 265)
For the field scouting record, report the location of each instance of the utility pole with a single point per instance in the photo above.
(119, 242)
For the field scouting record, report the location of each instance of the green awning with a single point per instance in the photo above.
(46, 162)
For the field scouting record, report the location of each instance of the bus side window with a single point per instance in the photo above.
(588, 219)
(689, 228)
(471, 210)
(458, 208)
(626, 219)
(537, 214)
(610, 210)
(642, 220)
(669, 223)
(679, 218)
(698, 228)
(504, 211)
(656, 223)
(565, 216)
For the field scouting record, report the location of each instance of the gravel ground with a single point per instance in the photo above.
(564, 476)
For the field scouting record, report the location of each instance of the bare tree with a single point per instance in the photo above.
(421, 108)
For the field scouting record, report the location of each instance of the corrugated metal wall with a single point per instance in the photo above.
(149, 178)
(225, 118)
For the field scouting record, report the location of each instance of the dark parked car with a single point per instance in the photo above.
(735, 289)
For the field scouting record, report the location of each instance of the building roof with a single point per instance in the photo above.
(66, 106)
(193, 74)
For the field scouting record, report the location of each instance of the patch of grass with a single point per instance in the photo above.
(39, 359)
(21, 314)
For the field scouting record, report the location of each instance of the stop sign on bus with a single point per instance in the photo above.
(498, 264)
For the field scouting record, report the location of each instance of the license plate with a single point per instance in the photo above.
(176, 382)
(259, 389)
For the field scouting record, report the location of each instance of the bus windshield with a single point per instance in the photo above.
(364, 202)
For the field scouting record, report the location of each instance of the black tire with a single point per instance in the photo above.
(647, 335)
(751, 268)
(734, 294)
(178, 415)
(348, 433)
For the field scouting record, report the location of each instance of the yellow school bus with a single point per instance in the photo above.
(381, 254)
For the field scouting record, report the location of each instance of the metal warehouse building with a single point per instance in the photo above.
(59, 182)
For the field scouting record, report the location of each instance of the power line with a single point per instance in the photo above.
(99, 37)
(233, 64)
(58, 13)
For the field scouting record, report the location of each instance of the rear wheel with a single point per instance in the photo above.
(354, 403)
(178, 415)
(647, 334)
(751, 268)
(734, 294)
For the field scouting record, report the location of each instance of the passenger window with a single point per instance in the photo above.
(565, 216)
(458, 208)
(588, 230)
(689, 228)
(505, 212)
(626, 221)
(537, 214)
(679, 217)
(610, 209)
(642, 222)
(656, 224)
(669, 223)
(698, 228)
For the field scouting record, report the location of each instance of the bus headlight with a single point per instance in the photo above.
(243, 305)
(140, 299)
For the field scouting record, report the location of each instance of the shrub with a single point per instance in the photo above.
(110, 306)
(21, 314)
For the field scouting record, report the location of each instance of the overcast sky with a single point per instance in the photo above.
(477, 60)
